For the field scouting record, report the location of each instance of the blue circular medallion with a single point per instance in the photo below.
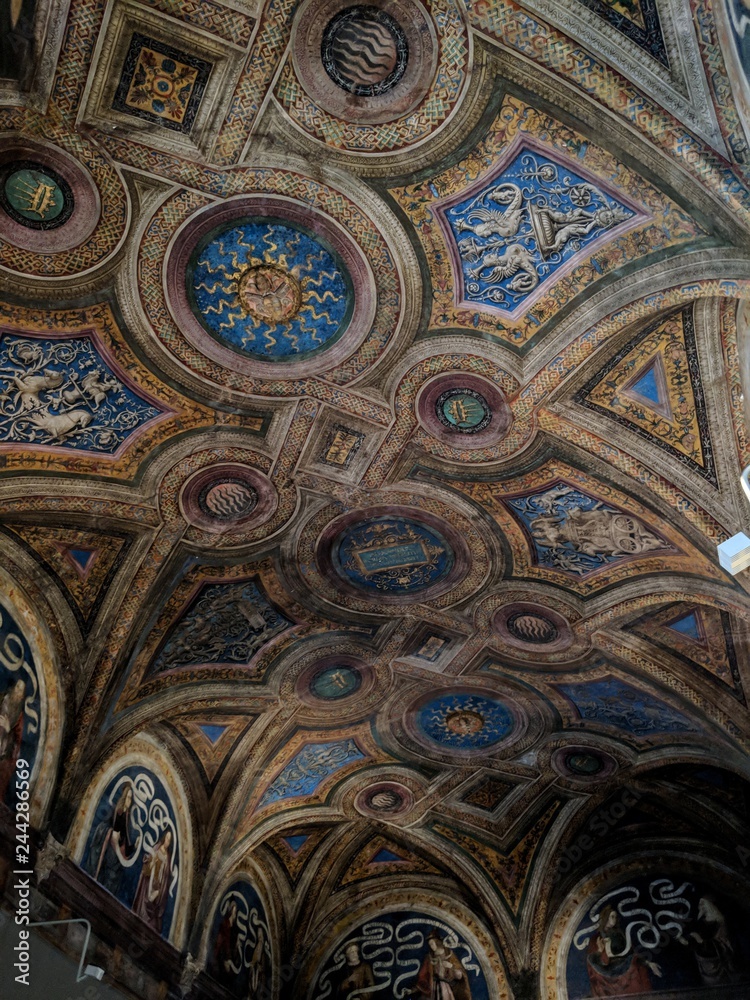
(336, 681)
(392, 555)
(269, 289)
(465, 721)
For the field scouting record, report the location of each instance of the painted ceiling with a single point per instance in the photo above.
(371, 407)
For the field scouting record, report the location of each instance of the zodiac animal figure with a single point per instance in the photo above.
(30, 386)
(58, 426)
(491, 221)
(553, 229)
(503, 265)
(94, 386)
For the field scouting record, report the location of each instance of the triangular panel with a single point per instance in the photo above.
(82, 559)
(690, 626)
(653, 387)
(295, 847)
(382, 856)
(212, 740)
(649, 387)
(83, 562)
(699, 635)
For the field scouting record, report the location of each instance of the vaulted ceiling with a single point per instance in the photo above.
(371, 407)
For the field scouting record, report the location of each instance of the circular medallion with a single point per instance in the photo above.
(582, 763)
(269, 289)
(392, 555)
(333, 681)
(532, 628)
(586, 764)
(465, 721)
(270, 294)
(50, 203)
(226, 497)
(336, 681)
(364, 50)
(35, 196)
(361, 64)
(462, 410)
(384, 799)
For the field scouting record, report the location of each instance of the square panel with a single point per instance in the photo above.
(159, 80)
(431, 648)
(341, 446)
(161, 84)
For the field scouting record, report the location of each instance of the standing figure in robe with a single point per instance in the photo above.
(258, 968)
(227, 957)
(712, 945)
(11, 732)
(441, 975)
(614, 968)
(151, 895)
(114, 845)
(356, 976)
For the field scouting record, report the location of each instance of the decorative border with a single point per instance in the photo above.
(355, 267)
(102, 209)
(126, 78)
(500, 420)
(265, 507)
(318, 203)
(658, 223)
(688, 326)
(562, 641)
(451, 77)
(309, 54)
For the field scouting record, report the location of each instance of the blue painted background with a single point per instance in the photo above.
(153, 819)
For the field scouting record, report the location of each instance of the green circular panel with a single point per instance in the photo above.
(35, 195)
(336, 682)
(584, 763)
(463, 410)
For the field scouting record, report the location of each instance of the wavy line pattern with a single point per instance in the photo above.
(364, 51)
(268, 290)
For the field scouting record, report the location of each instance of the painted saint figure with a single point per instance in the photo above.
(150, 901)
(226, 958)
(11, 732)
(114, 844)
(614, 969)
(441, 975)
(258, 968)
(711, 945)
(356, 976)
